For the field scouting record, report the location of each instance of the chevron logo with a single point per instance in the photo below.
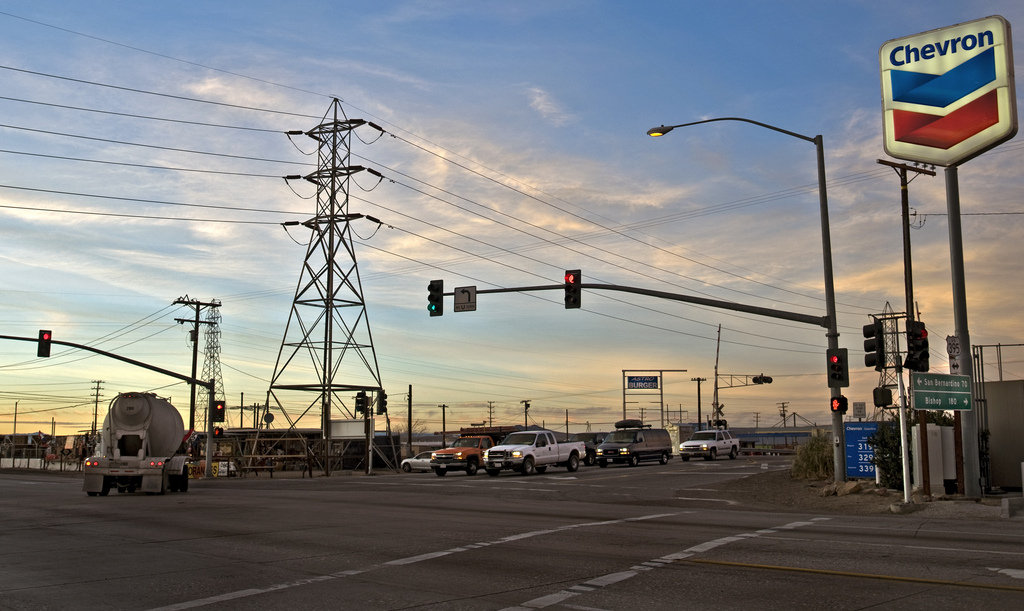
(948, 94)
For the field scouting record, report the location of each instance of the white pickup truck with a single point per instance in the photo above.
(709, 444)
(530, 452)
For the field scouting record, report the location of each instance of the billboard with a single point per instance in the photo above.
(948, 94)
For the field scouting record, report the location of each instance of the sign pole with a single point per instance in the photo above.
(969, 420)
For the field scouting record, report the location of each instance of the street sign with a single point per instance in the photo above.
(465, 299)
(860, 409)
(953, 350)
(948, 94)
(860, 455)
(938, 391)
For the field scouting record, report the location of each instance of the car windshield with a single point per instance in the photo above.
(703, 436)
(621, 437)
(520, 439)
(583, 437)
(466, 442)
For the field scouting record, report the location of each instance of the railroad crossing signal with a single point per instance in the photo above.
(573, 279)
(43, 349)
(435, 297)
(838, 371)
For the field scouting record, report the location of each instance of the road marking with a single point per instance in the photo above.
(687, 498)
(940, 582)
(604, 580)
(210, 600)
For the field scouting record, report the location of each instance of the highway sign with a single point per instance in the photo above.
(937, 391)
(465, 299)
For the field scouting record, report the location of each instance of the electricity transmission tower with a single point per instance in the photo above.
(327, 353)
(211, 359)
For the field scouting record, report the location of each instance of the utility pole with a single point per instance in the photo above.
(782, 410)
(908, 279)
(443, 426)
(96, 403)
(409, 428)
(757, 419)
(526, 412)
(490, 413)
(698, 381)
(194, 336)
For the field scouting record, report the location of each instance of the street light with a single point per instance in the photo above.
(839, 453)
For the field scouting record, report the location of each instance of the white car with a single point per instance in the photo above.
(709, 444)
(420, 462)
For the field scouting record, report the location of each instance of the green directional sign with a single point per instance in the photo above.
(939, 391)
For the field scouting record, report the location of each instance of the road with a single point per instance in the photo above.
(652, 537)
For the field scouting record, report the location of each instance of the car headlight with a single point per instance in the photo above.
(458, 455)
(517, 454)
(600, 452)
(486, 452)
(623, 450)
(704, 446)
(433, 455)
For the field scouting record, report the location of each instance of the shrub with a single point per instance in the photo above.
(815, 459)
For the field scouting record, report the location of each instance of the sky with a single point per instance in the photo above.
(143, 150)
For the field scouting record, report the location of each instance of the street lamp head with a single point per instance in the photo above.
(659, 131)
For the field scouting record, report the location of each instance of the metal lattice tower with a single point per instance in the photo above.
(327, 351)
(211, 359)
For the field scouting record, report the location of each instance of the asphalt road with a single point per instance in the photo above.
(647, 538)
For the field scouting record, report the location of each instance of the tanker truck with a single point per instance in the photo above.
(140, 448)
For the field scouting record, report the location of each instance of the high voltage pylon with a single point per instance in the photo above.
(211, 360)
(327, 351)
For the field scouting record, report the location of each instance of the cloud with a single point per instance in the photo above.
(548, 107)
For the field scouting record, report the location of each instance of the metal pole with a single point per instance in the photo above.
(209, 428)
(838, 434)
(969, 421)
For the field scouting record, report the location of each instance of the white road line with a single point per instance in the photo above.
(210, 600)
(611, 578)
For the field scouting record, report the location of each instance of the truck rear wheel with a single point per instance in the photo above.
(734, 453)
(573, 465)
(664, 458)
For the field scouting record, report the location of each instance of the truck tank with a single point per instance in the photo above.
(137, 421)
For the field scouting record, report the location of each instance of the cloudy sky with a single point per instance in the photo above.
(142, 150)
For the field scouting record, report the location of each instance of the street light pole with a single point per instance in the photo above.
(832, 335)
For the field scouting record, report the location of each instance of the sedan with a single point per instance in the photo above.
(420, 462)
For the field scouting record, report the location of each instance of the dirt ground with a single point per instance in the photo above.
(778, 490)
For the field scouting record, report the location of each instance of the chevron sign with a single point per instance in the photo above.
(948, 94)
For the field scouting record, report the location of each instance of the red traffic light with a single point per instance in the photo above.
(570, 278)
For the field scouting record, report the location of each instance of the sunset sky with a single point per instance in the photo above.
(142, 150)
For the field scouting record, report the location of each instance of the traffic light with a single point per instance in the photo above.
(838, 371)
(762, 379)
(218, 432)
(43, 349)
(874, 346)
(217, 414)
(573, 278)
(360, 402)
(435, 297)
(917, 346)
(382, 402)
(839, 405)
